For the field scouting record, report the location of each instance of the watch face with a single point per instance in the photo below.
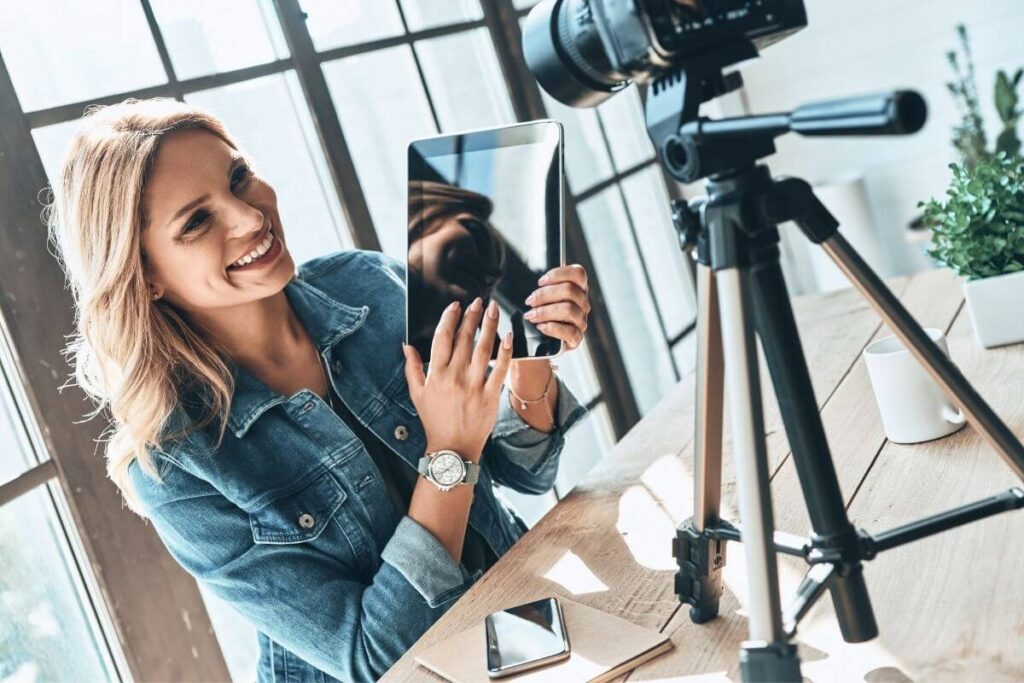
(447, 469)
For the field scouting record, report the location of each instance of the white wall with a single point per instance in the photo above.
(852, 47)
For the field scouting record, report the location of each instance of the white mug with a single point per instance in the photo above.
(913, 406)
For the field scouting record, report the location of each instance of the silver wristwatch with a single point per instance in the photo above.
(446, 469)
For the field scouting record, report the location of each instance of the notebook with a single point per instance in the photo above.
(604, 647)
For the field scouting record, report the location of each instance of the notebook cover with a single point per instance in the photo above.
(603, 646)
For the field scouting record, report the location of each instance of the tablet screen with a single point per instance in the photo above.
(485, 219)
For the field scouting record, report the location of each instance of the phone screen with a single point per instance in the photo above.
(524, 634)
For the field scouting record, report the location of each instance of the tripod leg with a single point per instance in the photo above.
(978, 413)
(749, 453)
(701, 558)
(809, 446)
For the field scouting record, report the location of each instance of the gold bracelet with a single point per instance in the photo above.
(543, 397)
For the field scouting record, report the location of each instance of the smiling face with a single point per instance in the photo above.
(191, 245)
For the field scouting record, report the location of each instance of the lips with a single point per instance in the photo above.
(259, 240)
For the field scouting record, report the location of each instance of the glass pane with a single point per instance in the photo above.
(51, 143)
(48, 631)
(523, 4)
(53, 60)
(380, 116)
(17, 455)
(685, 353)
(212, 37)
(577, 370)
(421, 14)
(648, 203)
(465, 81)
(619, 269)
(334, 23)
(235, 634)
(586, 154)
(286, 151)
(586, 444)
(623, 119)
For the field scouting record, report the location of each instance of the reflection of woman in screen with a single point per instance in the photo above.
(455, 254)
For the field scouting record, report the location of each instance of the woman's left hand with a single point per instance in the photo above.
(561, 304)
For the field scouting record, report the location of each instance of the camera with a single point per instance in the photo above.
(584, 51)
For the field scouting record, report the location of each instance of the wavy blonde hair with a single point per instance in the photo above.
(129, 352)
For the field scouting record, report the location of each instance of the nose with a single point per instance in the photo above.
(246, 221)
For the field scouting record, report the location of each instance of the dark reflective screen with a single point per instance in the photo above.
(485, 212)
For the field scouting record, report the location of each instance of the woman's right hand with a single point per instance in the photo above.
(456, 400)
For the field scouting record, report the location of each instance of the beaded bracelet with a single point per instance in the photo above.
(543, 397)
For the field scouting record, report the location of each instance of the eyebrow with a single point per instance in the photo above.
(235, 158)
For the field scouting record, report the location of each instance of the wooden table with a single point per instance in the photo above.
(949, 607)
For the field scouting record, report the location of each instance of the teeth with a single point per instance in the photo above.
(255, 253)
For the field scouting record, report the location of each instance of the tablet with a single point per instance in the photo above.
(484, 219)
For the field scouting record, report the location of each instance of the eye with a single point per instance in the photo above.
(239, 175)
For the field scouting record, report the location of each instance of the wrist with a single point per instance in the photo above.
(471, 453)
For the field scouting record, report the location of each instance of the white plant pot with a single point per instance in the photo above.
(994, 305)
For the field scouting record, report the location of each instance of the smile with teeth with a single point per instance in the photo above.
(256, 253)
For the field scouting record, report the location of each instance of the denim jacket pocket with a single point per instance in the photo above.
(299, 516)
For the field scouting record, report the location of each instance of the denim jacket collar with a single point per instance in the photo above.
(326, 319)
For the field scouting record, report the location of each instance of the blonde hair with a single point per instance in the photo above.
(129, 351)
(430, 202)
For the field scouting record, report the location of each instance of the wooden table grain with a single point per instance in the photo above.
(949, 607)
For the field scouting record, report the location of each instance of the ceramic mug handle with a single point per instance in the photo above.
(953, 415)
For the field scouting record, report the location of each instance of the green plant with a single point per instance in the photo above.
(969, 136)
(1006, 105)
(979, 230)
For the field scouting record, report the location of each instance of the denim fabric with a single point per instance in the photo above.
(289, 519)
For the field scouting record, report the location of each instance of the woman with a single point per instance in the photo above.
(269, 422)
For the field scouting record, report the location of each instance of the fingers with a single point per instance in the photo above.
(501, 366)
(563, 291)
(570, 334)
(464, 337)
(413, 369)
(573, 272)
(563, 312)
(441, 346)
(485, 345)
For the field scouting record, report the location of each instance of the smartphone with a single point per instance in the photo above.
(525, 637)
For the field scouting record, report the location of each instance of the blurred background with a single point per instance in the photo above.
(326, 96)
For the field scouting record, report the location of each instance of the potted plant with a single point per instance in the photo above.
(978, 231)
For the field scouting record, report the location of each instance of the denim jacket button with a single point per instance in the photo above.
(401, 432)
(308, 406)
(306, 521)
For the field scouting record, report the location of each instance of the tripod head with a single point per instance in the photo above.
(691, 147)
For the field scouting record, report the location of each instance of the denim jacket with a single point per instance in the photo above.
(289, 519)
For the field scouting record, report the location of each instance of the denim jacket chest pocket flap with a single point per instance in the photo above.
(300, 515)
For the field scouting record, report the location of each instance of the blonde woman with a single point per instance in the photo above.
(291, 453)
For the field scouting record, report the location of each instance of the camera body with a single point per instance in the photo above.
(584, 51)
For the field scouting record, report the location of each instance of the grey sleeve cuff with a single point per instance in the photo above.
(424, 562)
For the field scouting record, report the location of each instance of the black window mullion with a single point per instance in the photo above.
(161, 48)
(321, 106)
(419, 69)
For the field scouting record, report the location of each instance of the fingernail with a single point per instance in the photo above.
(453, 306)
(530, 299)
(530, 315)
(492, 309)
(507, 341)
(543, 280)
(477, 303)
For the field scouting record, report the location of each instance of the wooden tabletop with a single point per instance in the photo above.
(949, 607)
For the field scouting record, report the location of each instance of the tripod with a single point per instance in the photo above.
(740, 290)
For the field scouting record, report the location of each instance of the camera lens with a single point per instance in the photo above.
(563, 50)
